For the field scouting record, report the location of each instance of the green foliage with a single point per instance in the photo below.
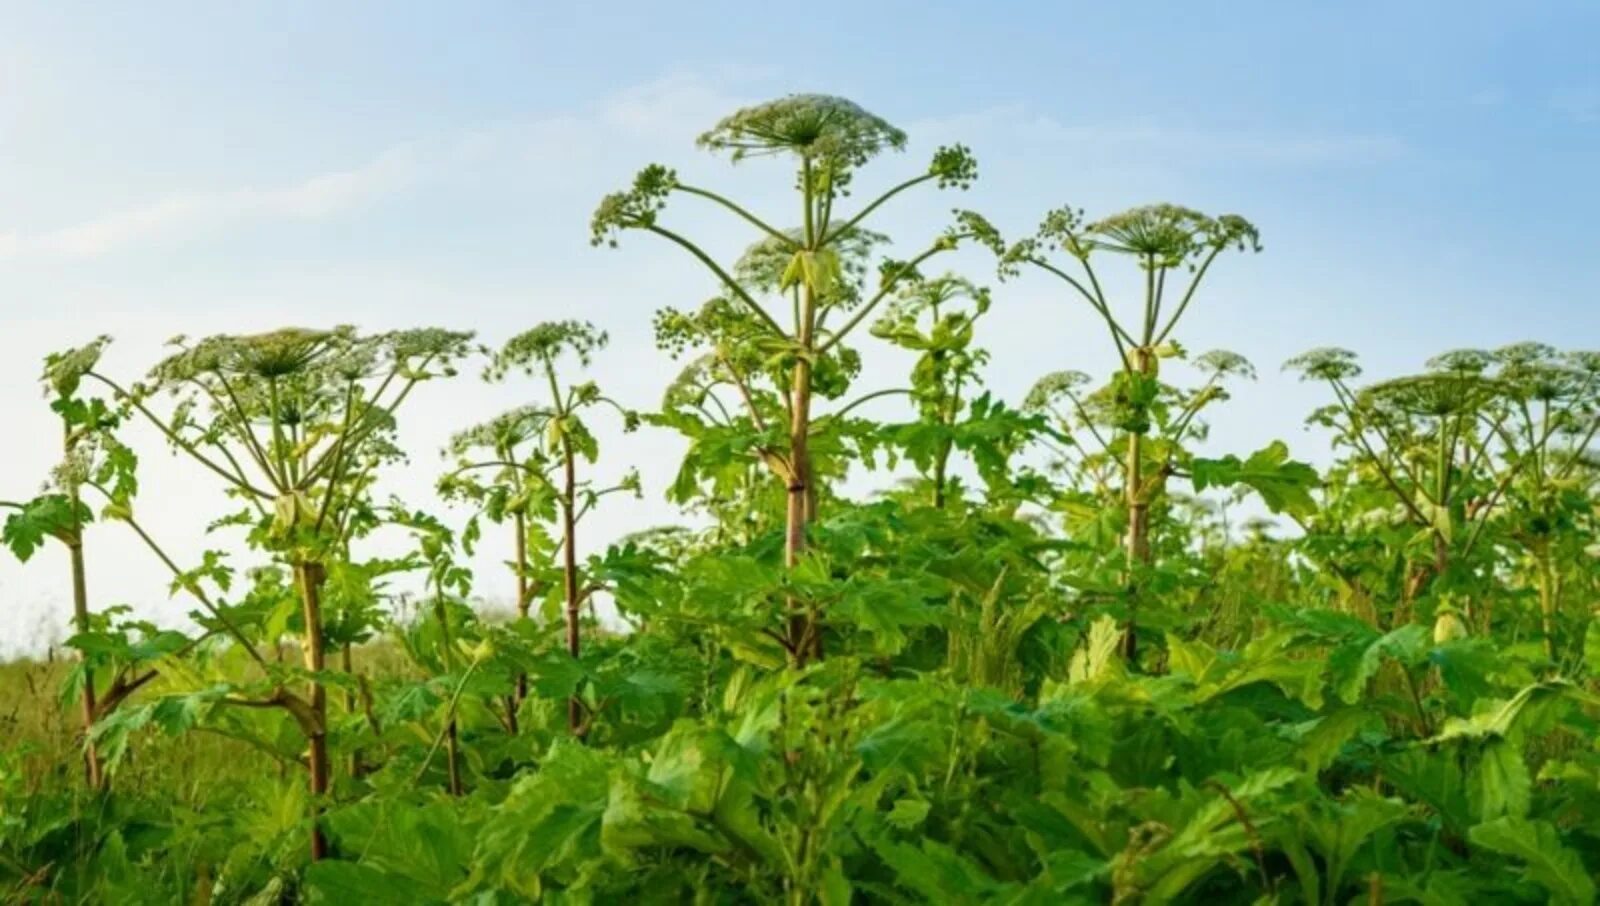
(1064, 658)
(48, 516)
(1536, 847)
(1285, 486)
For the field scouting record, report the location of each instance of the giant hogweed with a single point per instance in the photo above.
(815, 271)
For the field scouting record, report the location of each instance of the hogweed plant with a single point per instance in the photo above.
(936, 318)
(1168, 244)
(1090, 424)
(1295, 731)
(502, 470)
(523, 464)
(1546, 428)
(798, 293)
(1428, 441)
(447, 581)
(1483, 448)
(295, 423)
(96, 465)
(1087, 432)
(91, 456)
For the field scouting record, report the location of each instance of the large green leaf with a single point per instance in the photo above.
(1285, 485)
(1500, 782)
(337, 883)
(1351, 666)
(46, 516)
(1545, 859)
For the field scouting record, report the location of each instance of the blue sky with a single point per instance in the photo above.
(1423, 175)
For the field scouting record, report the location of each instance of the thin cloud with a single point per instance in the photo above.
(680, 101)
(1119, 140)
(1580, 106)
(673, 107)
(316, 197)
(678, 104)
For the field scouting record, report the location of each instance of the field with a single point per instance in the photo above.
(1062, 650)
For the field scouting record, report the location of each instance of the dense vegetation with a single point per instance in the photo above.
(1047, 668)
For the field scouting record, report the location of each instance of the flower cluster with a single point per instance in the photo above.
(1327, 363)
(542, 345)
(824, 129)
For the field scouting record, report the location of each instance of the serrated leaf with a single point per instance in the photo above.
(1283, 484)
(907, 813)
(1500, 782)
(334, 882)
(1545, 859)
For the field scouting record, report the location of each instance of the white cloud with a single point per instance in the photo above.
(675, 107)
(678, 100)
(672, 108)
(189, 214)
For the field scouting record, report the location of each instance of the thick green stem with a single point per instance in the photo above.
(448, 646)
(1548, 601)
(309, 577)
(93, 771)
(569, 543)
(1137, 541)
(524, 602)
(569, 570)
(804, 640)
(940, 464)
(347, 664)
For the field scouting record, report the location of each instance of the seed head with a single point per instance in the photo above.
(633, 208)
(1328, 363)
(1461, 361)
(1052, 387)
(504, 432)
(828, 130)
(1222, 363)
(543, 344)
(63, 371)
(1436, 395)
